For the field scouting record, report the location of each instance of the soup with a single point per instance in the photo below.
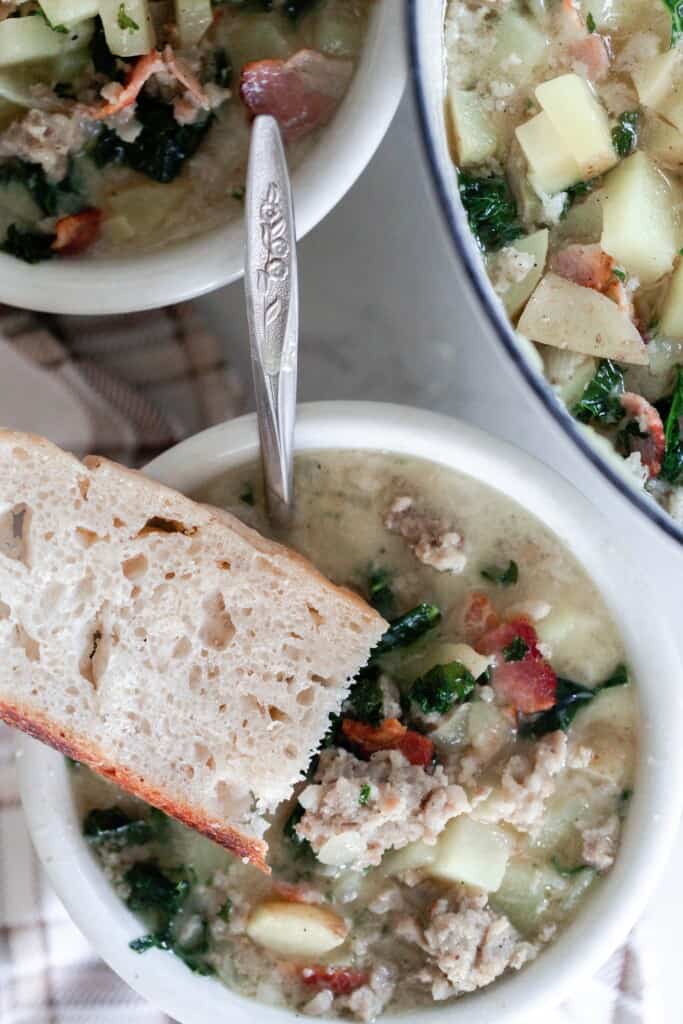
(464, 803)
(125, 126)
(566, 129)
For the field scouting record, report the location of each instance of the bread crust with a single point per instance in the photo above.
(42, 728)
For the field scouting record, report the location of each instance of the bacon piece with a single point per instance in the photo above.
(389, 735)
(302, 92)
(529, 685)
(77, 232)
(495, 640)
(479, 616)
(416, 748)
(587, 265)
(340, 980)
(653, 445)
(592, 52)
(149, 64)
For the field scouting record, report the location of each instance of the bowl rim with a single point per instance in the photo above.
(480, 287)
(658, 798)
(191, 267)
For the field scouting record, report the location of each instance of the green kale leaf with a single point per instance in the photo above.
(675, 8)
(365, 701)
(515, 650)
(601, 397)
(503, 577)
(491, 211)
(380, 593)
(571, 697)
(26, 245)
(407, 628)
(124, 20)
(111, 826)
(672, 411)
(625, 134)
(441, 687)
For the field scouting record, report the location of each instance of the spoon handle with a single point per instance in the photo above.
(272, 295)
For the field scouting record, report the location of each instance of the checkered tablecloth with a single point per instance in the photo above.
(146, 381)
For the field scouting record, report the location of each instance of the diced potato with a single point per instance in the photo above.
(639, 227)
(671, 318)
(581, 122)
(28, 39)
(193, 18)
(663, 143)
(568, 316)
(671, 108)
(575, 643)
(552, 168)
(628, 16)
(535, 245)
(68, 12)
(452, 727)
(474, 662)
(568, 372)
(488, 725)
(607, 727)
(296, 929)
(529, 206)
(653, 78)
(558, 829)
(520, 47)
(414, 855)
(341, 849)
(522, 893)
(474, 134)
(257, 37)
(583, 222)
(128, 27)
(16, 200)
(146, 206)
(337, 30)
(472, 852)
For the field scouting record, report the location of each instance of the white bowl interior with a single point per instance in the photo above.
(425, 29)
(186, 269)
(651, 824)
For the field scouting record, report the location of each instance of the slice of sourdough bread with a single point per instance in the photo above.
(165, 644)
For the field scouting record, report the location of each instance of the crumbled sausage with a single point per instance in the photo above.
(431, 540)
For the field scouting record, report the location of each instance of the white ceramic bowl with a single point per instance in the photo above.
(650, 828)
(425, 31)
(189, 268)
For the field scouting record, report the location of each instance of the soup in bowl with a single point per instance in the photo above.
(476, 815)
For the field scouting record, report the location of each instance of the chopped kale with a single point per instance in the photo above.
(29, 246)
(675, 8)
(516, 649)
(301, 846)
(380, 593)
(571, 697)
(53, 198)
(104, 61)
(407, 628)
(590, 22)
(624, 441)
(365, 701)
(624, 801)
(247, 495)
(490, 209)
(111, 826)
(672, 412)
(503, 577)
(600, 399)
(569, 872)
(153, 890)
(619, 274)
(239, 192)
(160, 149)
(64, 90)
(364, 794)
(625, 134)
(330, 739)
(226, 910)
(441, 687)
(124, 20)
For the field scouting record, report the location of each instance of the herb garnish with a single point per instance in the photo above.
(380, 593)
(601, 397)
(364, 794)
(675, 8)
(301, 846)
(568, 872)
(407, 628)
(491, 210)
(571, 697)
(441, 687)
(111, 826)
(590, 22)
(365, 701)
(516, 650)
(619, 274)
(124, 20)
(503, 577)
(247, 495)
(672, 463)
(625, 134)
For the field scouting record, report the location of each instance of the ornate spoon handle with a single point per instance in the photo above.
(272, 295)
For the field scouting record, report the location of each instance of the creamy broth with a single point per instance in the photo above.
(169, 162)
(511, 800)
(565, 124)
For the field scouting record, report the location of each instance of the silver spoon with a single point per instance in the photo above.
(271, 287)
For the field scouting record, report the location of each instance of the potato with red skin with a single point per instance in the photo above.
(77, 232)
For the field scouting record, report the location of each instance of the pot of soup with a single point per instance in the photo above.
(553, 153)
(489, 809)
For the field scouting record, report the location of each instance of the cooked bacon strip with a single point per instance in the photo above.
(653, 445)
(587, 265)
(149, 64)
(302, 92)
(77, 232)
(340, 980)
(389, 735)
(479, 616)
(528, 684)
(593, 53)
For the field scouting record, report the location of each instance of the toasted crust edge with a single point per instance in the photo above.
(42, 728)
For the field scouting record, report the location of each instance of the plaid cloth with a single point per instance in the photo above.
(146, 381)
